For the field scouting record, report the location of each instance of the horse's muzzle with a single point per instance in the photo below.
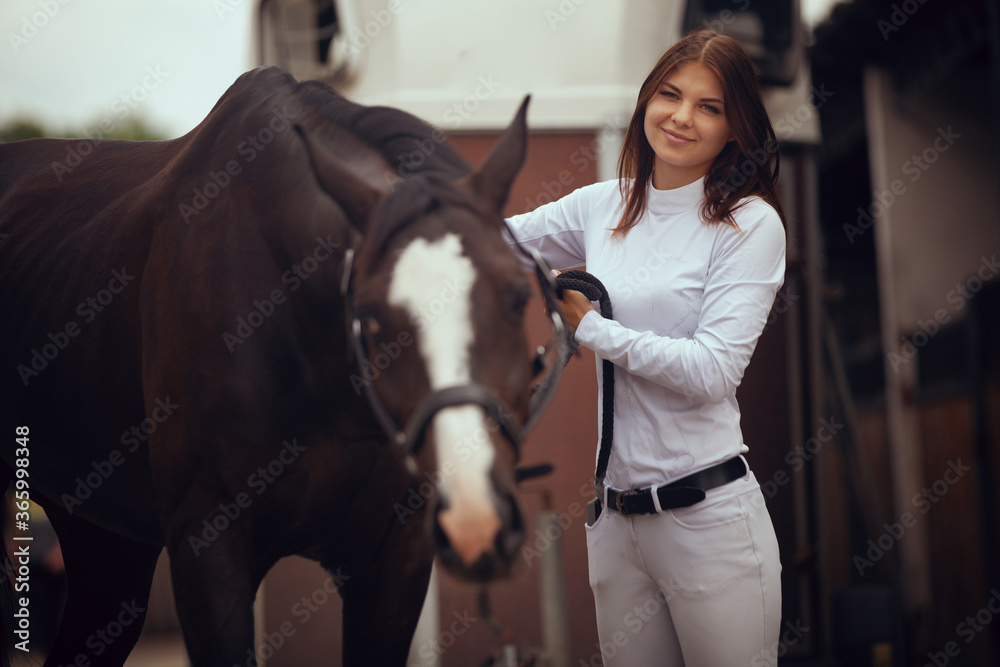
(479, 544)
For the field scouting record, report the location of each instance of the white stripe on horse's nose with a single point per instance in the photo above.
(433, 282)
(465, 454)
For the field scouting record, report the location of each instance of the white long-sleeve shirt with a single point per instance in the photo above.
(690, 300)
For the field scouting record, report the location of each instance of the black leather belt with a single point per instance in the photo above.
(682, 493)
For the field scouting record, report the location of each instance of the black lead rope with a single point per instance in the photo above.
(593, 289)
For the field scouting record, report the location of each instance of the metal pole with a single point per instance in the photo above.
(555, 632)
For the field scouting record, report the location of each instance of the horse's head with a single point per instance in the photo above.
(438, 300)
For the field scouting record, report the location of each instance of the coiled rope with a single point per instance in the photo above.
(593, 289)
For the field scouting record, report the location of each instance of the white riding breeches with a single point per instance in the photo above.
(698, 586)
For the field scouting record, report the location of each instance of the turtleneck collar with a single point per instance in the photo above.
(677, 200)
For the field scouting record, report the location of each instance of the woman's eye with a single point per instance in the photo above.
(710, 108)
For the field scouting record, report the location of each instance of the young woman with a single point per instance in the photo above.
(690, 243)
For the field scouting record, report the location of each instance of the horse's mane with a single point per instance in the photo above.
(396, 135)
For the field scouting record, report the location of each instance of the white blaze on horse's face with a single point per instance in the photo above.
(433, 282)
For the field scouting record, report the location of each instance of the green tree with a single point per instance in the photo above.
(20, 128)
(135, 129)
(132, 129)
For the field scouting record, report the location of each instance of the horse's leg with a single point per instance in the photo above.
(382, 604)
(214, 587)
(108, 581)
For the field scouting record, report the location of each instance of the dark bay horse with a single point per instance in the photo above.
(206, 339)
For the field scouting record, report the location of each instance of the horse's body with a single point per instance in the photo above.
(174, 337)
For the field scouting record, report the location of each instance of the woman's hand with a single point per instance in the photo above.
(574, 306)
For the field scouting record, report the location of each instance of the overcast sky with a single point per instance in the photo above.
(167, 62)
(72, 63)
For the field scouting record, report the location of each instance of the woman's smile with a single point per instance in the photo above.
(677, 139)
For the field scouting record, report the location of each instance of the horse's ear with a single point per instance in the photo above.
(493, 178)
(354, 195)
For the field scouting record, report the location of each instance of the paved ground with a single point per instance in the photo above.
(158, 651)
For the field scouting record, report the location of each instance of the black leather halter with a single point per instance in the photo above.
(410, 438)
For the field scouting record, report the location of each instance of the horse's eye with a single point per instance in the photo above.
(371, 324)
(369, 319)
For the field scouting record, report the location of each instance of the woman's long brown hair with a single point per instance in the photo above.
(747, 166)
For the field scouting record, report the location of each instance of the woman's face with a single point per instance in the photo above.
(686, 125)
